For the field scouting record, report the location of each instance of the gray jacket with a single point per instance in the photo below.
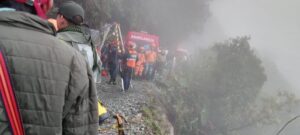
(52, 82)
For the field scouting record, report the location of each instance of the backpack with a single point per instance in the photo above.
(88, 52)
(84, 44)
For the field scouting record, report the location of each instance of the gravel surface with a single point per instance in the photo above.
(128, 104)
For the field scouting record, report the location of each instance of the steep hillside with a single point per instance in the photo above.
(139, 107)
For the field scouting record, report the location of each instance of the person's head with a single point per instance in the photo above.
(141, 49)
(131, 45)
(115, 42)
(38, 7)
(69, 13)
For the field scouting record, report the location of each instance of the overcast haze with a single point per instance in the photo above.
(274, 26)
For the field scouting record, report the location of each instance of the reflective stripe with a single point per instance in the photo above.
(134, 58)
(7, 9)
(9, 100)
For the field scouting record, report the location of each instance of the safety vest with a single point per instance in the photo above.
(131, 59)
(151, 56)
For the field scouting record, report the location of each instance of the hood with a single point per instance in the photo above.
(26, 21)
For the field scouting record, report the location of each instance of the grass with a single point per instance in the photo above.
(151, 120)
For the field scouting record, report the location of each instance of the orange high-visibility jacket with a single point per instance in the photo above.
(151, 56)
(131, 59)
(141, 59)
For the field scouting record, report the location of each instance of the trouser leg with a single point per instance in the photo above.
(113, 72)
(150, 71)
(127, 78)
(140, 73)
(114, 75)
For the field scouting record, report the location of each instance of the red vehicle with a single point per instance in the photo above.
(142, 39)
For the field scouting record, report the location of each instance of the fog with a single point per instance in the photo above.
(272, 24)
(274, 27)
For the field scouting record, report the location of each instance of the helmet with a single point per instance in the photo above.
(131, 45)
(72, 12)
(38, 6)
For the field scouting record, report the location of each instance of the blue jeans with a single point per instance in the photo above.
(127, 77)
(149, 68)
(113, 72)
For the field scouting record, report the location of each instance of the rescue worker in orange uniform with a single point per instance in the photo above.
(130, 59)
(150, 61)
(139, 67)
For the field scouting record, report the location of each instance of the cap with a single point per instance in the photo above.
(70, 10)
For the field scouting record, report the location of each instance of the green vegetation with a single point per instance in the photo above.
(172, 20)
(217, 93)
(150, 118)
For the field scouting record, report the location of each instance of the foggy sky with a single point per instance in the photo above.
(274, 26)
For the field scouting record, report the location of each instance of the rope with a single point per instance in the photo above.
(287, 123)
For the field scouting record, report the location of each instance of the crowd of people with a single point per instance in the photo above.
(140, 62)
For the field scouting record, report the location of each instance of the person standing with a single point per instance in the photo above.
(70, 26)
(51, 81)
(130, 58)
(139, 68)
(161, 62)
(150, 63)
(112, 61)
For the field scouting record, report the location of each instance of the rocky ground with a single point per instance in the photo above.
(129, 104)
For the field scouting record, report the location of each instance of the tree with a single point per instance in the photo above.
(222, 84)
(172, 20)
(217, 93)
(236, 80)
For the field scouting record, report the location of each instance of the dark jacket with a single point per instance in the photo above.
(112, 55)
(52, 82)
